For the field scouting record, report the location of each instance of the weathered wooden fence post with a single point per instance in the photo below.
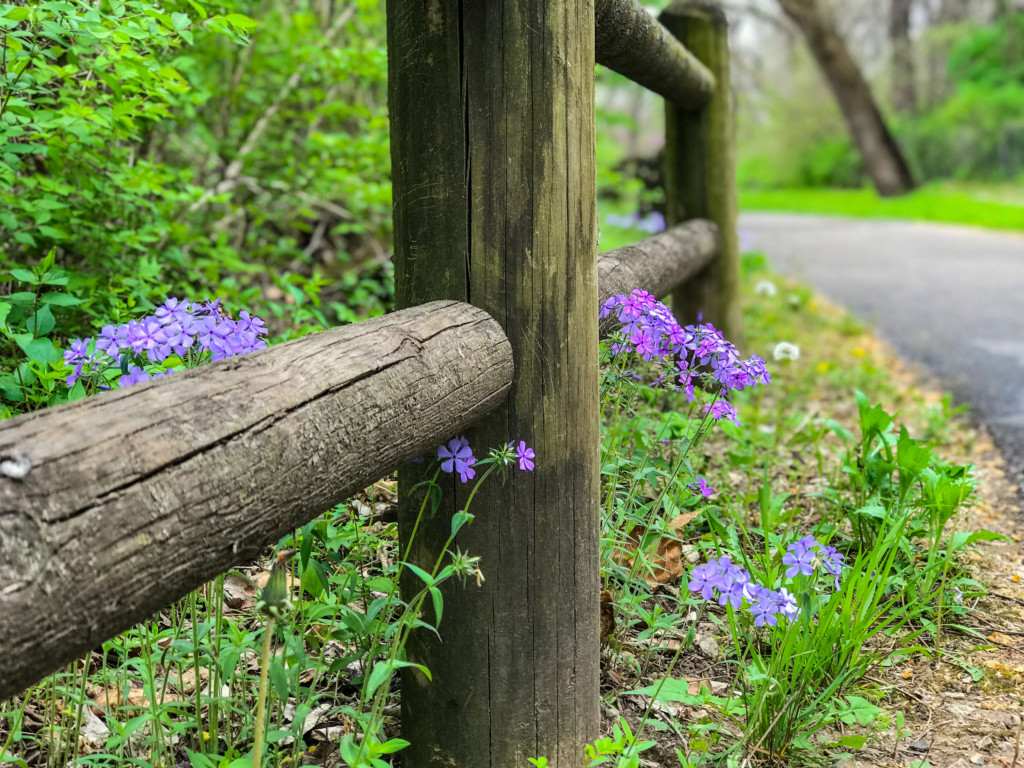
(700, 166)
(492, 125)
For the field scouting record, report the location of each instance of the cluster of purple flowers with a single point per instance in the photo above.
(188, 330)
(731, 584)
(801, 558)
(702, 353)
(457, 457)
(653, 222)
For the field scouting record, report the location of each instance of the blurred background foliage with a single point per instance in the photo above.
(189, 147)
(240, 147)
(966, 122)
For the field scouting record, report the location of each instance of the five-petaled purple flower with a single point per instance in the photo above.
(800, 559)
(525, 456)
(188, 330)
(702, 487)
(457, 457)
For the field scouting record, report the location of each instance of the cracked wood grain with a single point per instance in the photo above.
(137, 496)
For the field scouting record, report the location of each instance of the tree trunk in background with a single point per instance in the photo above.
(952, 12)
(882, 157)
(904, 91)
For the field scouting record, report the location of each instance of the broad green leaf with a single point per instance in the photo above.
(42, 322)
(39, 350)
(381, 672)
(60, 299)
(25, 276)
(854, 741)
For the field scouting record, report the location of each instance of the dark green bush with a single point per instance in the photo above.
(159, 150)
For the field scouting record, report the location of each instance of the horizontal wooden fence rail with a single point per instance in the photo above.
(114, 507)
(658, 264)
(633, 43)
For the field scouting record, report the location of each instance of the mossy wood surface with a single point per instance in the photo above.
(492, 109)
(700, 167)
(633, 43)
(134, 497)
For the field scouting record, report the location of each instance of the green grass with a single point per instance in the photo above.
(993, 207)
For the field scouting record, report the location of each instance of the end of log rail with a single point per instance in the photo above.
(135, 497)
(630, 41)
(658, 264)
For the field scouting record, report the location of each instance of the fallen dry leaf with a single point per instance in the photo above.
(666, 564)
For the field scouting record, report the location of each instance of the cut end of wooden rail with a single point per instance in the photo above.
(633, 43)
(113, 507)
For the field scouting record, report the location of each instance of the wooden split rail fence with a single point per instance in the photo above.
(113, 507)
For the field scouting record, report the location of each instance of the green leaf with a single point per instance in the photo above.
(962, 538)
(459, 519)
(60, 299)
(311, 582)
(425, 577)
(5, 310)
(859, 710)
(25, 276)
(42, 322)
(854, 741)
(180, 20)
(278, 677)
(39, 350)
(240, 21)
(392, 745)
(54, 277)
(16, 12)
(381, 671)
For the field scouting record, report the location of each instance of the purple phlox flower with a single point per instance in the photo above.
(78, 352)
(457, 457)
(644, 342)
(173, 311)
(112, 339)
(708, 342)
(704, 579)
(653, 222)
(752, 591)
(525, 456)
(142, 335)
(958, 595)
(721, 409)
(135, 375)
(765, 609)
(209, 308)
(702, 487)
(607, 307)
(787, 604)
(808, 542)
(686, 380)
(833, 562)
(800, 559)
(758, 370)
(251, 323)
(173, 339)
(76, 374)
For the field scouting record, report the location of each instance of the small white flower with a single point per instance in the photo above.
(786, 351)
(766, 288)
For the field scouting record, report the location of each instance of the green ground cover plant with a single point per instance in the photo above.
(711, 540)
(976, 205)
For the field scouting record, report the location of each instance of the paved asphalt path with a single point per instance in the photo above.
(950, 298)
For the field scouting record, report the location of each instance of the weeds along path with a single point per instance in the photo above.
(948, 297)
